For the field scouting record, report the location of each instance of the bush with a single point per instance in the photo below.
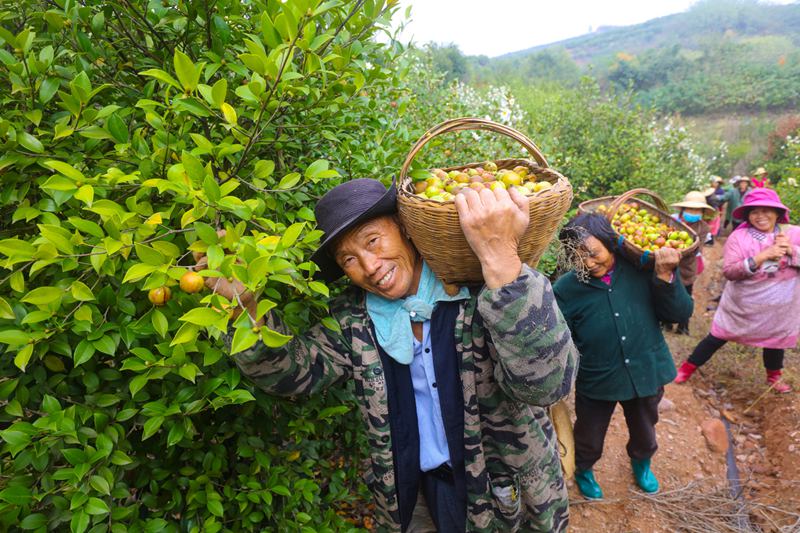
(608, 144)
(130, 132)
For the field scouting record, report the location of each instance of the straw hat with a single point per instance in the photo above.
(717, 179)
(694, 200)
(759, 171)
(737, 179)
(708, 192)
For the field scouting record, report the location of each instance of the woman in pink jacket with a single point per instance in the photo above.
(760, 305)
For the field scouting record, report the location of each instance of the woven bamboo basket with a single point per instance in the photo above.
(434, 227)
(629, 250)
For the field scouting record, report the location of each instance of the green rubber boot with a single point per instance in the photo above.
(644, 476)
(587, 485)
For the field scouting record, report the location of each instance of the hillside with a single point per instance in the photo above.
(719, 56)
(690, 30)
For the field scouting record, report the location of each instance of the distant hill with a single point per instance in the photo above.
(690, 30)
(719, 56)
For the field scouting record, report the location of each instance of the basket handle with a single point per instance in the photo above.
(622, 198)
(461, 124)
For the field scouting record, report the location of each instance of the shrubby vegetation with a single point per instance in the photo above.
(129, 133)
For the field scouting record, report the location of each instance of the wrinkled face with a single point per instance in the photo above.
(763, 218)
(596, 257)
(377, 257)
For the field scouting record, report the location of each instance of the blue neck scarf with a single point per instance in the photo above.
(392, 318)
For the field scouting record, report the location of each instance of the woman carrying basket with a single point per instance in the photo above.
(613, 309)
(760, 304)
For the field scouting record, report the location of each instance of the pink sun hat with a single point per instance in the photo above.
(762, 198)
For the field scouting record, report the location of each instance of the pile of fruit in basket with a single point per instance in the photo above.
(645, 229)
(442, 186)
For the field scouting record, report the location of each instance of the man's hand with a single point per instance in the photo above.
(493, 223)
(667, 260)
(234, 290)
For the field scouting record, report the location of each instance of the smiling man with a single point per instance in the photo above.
(453, 389)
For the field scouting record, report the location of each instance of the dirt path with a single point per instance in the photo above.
(695, 494)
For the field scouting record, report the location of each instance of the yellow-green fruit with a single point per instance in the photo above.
(491, 166)
(511, 178)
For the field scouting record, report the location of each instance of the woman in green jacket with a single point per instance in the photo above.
(613, 309)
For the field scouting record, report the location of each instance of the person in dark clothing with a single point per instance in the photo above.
(613, 310)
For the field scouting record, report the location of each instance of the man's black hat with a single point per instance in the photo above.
(344, 207)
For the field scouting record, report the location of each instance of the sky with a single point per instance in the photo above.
(496, 27)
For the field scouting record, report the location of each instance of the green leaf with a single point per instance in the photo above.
(319, 287)
(219, 91)
(243, 338)
(100, 484)
(79, 522)
(215, 507)
(186, 71)
(17, 248)
(315, 168)
(30, 142)
(175, 434)
(117, 128)
(159, 322)
(186, 333)
(229, 113)
(5, 310)
(48, 89)
(96, 506)
(137, 272)
(291, 234)
(162, 76)
(120, 458)
(204, 316)
(65, 169)
(106, 345)
(211, 188)
(23, 357)
(149, 255)
(14, 337)
(84, 313)
(33, 521)
(273, 339)
(83, 352)
(289, 180)
(43, 296)
(85, 194)
(81, 292)
(215, 255)
(151, 426)
(59, 236)
(16, 495)
(206, 233)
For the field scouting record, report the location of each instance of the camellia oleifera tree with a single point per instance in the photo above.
(130, 132)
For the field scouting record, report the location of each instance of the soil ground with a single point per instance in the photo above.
(695, 494)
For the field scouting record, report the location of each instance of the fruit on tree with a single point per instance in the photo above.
(159, 296)
(192, 282)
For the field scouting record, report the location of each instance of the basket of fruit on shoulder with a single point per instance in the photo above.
(427, 208)
(643, 227)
